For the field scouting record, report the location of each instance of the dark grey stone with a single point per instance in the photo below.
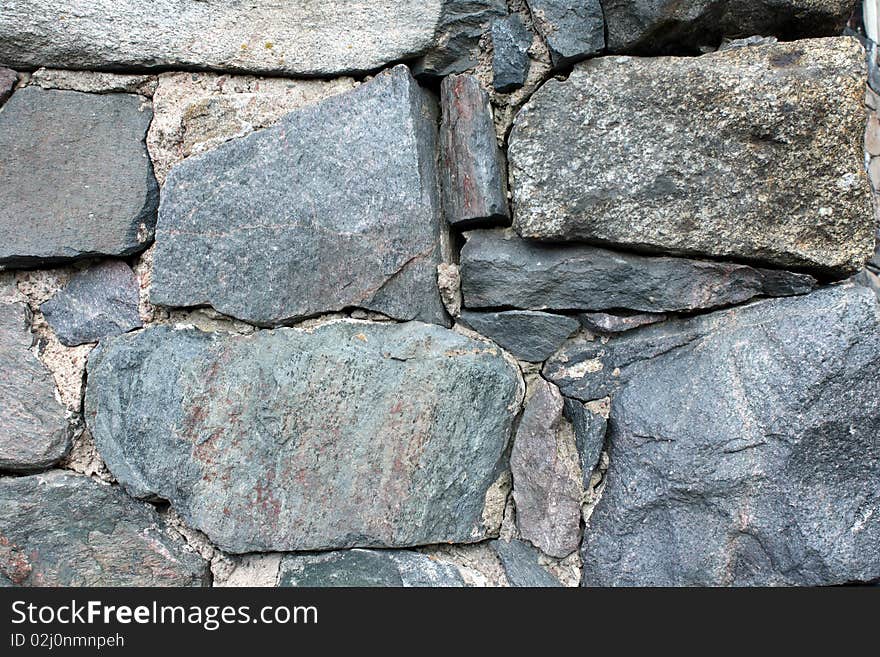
(750, 455)
(363, 568)
(589, 432)
(474, 170)
(64, 529)
(662, 26)
(75, 178)
(511, 41)
(335, 206)
(521, 566)
(8, 80)
(499, 270)
(97, 302)
(713, 161)
(528, 335)
(607, 323)
(351, 434)
(573, 29)
(34, 432)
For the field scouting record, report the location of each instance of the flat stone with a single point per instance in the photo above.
(573, 29)
(75, 178)
(608, 323)
(265, 36)
(34, 432)
(95, 82)
(511, 41)
(474, 172)
(8, 80)
(716, 137)
(748, 456)
(351, 434)
(97, 302)
(547, 479)
(528, 335)
(65, 529)
(662, 26)
(335, 206)
(363, 568)
(521, 564)
(499, 270)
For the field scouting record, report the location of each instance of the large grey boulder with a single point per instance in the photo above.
(749, 455)
(572, 29)
(34, 432)
(306, 37)
(335, 206)
(752, 153)
(352, 434)
(64, 529)
(661, 26)
(499, 270)
(75, 179)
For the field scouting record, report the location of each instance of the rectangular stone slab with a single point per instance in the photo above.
(353, 434)
(752, 153)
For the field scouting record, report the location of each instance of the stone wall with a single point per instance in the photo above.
(484, 293)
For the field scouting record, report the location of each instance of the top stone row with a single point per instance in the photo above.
(310, 37)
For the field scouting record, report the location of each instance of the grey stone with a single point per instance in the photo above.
(75, 179)
(350, 434)
(361, 568)
(607, 323)
(547, 479)
(97, 302)
(8, 80)
(661, 26)
(335, 206)
(457, 41)
(754, 40)
(474, 172)
(34, 433)
(521, 564)
(573, 29)
(528, 335)
(499, 270)
(590, 428)
(64, 529)
(511, 41)
(307, 37)
(750, 455)
(868, 279)
(751, 153)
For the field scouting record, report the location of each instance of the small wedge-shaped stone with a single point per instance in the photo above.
(573, 29)
(528, 335)
(752, 154)
(335, 206)
(511, 41)
(352, 434)
(64, 529)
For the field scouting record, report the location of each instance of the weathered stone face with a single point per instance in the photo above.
(521, 564)
(335, 206)
(63, 529)
(306, 37)
(526, 334)
(8, 79)
(661, 26)
(75, 179)
(573, 29)
(511, 41)
(749, 455)
(348, 435)
(752, 153)
(34, 432)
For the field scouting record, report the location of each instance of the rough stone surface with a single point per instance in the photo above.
(474, 171)
(63, 529)
(350, 434)
(521, 563)
(511, 41)
(367, 568)
(8, 80)
(34, 433)
(293, 38)
(748, 456)
(499, 270)
(547, 479)
(457, 40)
(528, 335)
(573, 29)
(75, 179)
(661, 26)
(751, 153)
(590, 427)
(94, 82)
(335, 206)
(98, 302)
(607, 323)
